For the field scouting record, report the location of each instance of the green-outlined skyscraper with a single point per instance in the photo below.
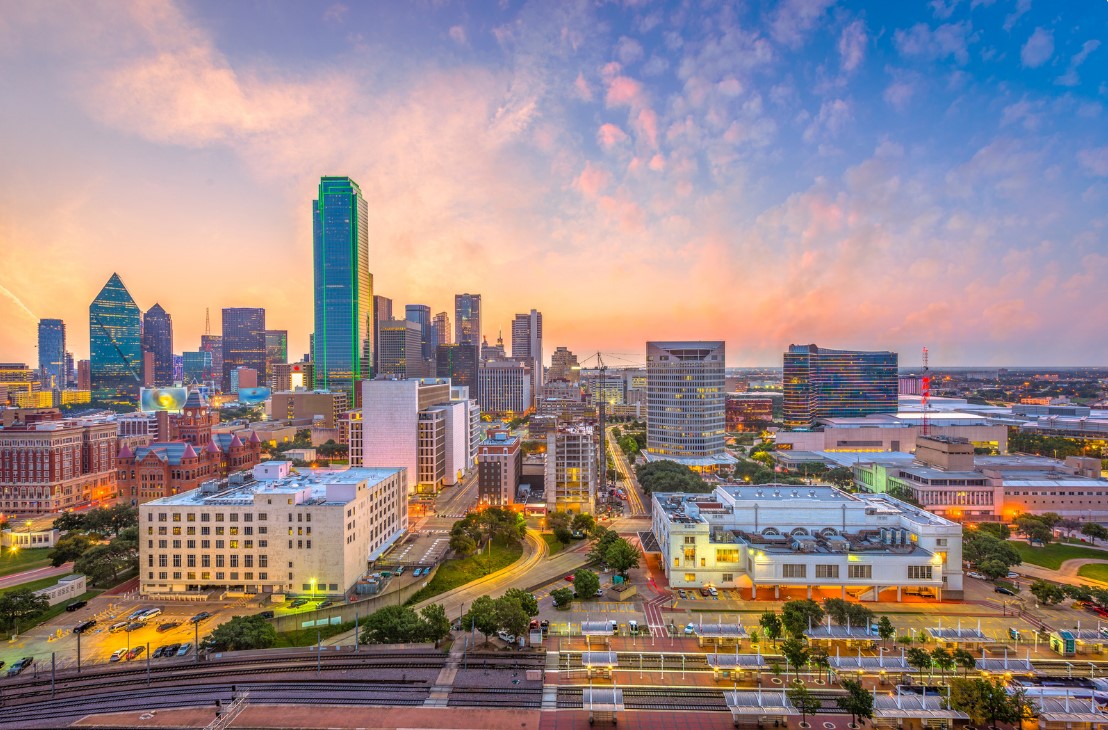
(115, 344)
(343, 287)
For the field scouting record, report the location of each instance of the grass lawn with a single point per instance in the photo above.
(34, 585)
(1094, 571)
(308, 637)
(458, 572)
(1053, 555)
(552, 543)
(18, 561)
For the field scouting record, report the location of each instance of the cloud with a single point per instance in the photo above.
(921, 41)
(610, 135)
(833, 116)
(898, 94)
(582, 88)
(628, 50)
(852, 45)
(1095, 160)
(336, 13)
(1038, 49)
(1021, 9)
(793, 19)
(458, 35)
(592, 181)
(1069, 78)
(943, 9)
(624, 91)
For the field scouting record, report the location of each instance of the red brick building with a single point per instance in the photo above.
(49, 463)
(165, 468)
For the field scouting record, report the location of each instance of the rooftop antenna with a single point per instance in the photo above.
(925, 393)
(207, 321)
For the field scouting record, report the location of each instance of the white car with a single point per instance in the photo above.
(690, 629)
(1013, 574)
(975, 574)
(117, 655)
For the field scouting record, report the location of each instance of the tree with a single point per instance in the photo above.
(999, 530)
(563, 534)
(102, 563)
(482, 615)
(462, 544)
(70, 548)
(603, 538)
(583, 523)
(394, 625)
(858, 702)
(1069, 525)
(965, 659)
(586, 582)
(988, 553)
(622, 556)
(918, 658)
(19, 604)
(436, 624)
(843, 612)
(818, 658)
(797, 616)
(796, 652)
(988, 701)
(1048, 594)
(1077, 593)
(242, 633)
(1035, 528)
(69, 522)
(669, 476)
(563, 597)
(1094, 532)
(771, 626)
(511, 617)
(840, 476)
(942, 659)
(885, 628)
(804, 700)
(526, 601)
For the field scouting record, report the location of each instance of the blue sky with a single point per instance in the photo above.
(870, 175)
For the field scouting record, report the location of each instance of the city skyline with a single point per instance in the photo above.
(867, 177)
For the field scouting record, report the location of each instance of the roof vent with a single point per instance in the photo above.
(811, 492)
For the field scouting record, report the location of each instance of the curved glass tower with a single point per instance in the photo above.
(115, 343)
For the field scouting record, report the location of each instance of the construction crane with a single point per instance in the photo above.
(602, 367)
(925, 396)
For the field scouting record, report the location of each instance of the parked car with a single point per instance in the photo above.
(203, 615)
(184, 650)
(171, 650)
(298, 603)
(267, 614)
(681, 592)
(1004, 591)
(150, 613)
(975, 574)
(136, 652)
(570, 577)
(599, 592)
(84, 626)
(118, 626)
(159, 652)
(400, 570)
(713, 592)
(20, 665)
(1014, 633)
(325, 604)
(704, 592)
(690, 629)
(76, 605)
(633, 626)
(136, 625)
(1013, 574)
(117, 655)
(167, 626)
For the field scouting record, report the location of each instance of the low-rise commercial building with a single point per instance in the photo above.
(272, 531)
(780, 540)
(748, 412)
(318, 407)
(893, 432)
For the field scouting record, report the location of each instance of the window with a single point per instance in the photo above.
(728, 577)
(219, 561)
(205, 530)
(176, 561)
(690, 540)
(863, 572)
(827, 571)
(190, 561)
(794, 570)
(234, 561)
(176, 516)
(263, 561)
(163, 561)
(690, 577)
(728, 555)
(919, 572)
(205, 561)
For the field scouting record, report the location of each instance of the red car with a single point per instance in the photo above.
(570, 577)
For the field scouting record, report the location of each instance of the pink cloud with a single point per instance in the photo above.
(657, 163)
(609, 135)
(592, 181)
(581, 86)
(624, 91)
(648, 126)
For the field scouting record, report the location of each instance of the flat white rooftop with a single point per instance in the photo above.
(317, 481)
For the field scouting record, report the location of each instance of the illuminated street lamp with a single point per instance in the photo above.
(313, 588)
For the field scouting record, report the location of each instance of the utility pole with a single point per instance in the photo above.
(603, 472)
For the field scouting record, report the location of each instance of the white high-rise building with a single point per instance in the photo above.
(571, 468)
(685, 395)
(504, 386)
(527, 345)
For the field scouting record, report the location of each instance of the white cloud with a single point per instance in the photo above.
(1038, 49)
(1021, 9)
(852, 45)
(898, 94)
(1070, 78)
(793, 19)
(921, 41)
(833, 116)
(1095, 160)
(943, 9)
(458, 35)
(628, 51)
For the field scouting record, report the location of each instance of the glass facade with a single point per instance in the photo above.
(157, 338)
(243, 341)
(421, 315)
(53, 372)
(467, 319)
(343, 342)
(198, 367)
(459, 363)
(115, 344)
(276, 351)
(685, 398)
(821, 383)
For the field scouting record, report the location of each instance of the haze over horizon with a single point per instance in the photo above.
(860, 176)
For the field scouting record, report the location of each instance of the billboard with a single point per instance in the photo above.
(251, 396)
(162, 399)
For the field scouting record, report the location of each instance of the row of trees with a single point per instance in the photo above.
(403, 625)
(102, 521)
(566, 526)
(102, 543)
(242, 633)
(669, 476)
(512, 613)
(19, 606)
(478, 528)
(986, 548)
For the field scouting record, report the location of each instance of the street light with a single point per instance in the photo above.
(313, 588)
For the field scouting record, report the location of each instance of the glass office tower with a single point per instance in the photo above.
(821, 383)
(157, 338)
(467, 319)
(53, 373)
(243, 342)
(421, 315)
(343, 344)
(685, 403)
(115, 344)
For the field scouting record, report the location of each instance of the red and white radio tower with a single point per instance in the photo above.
(925, 391)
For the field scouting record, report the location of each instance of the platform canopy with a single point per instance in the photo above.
(735, 661)
(595, 659)
(831, 631)
(1006, 665)
(596, 628)
(721, 631)
(859, 663)
(958, 635)
(757, 702)
(602, 699)
(903, 706)
(1090, 636)
(1069, 710)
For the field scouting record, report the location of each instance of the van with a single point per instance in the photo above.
(119, 626)
(76, 605)
(633, 626)
(83, 627)
(150, 613)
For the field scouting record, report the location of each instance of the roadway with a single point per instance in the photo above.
(635, 501)
(16, 579)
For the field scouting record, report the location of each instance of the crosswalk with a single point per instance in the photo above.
(654, 619)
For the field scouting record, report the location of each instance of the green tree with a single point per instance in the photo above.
(669, 476)
(69, 522)
(511, 617)
(858, 702)
(1077, 593)
(843, 612)
(1048, 594)
(393, 625)
(436, 624)
(942, 659)
(885, 629)
(69, 548)
(797, 616)
(21, 604)
(918, 658)
(1094, 531)
(563, 597)
(1035, 529)
(965, 659)
(482, 615)
(771, 626)
(988, 701)
(583, 523)
(622, 556)
(840, 476)
(242, 633)
(586, 582)
(818, 658)
(999, 530)
(603, 538)
(102, 563)
(804, 700)
(796, 651)
(525, 600)
(462, 544)
(563, 534)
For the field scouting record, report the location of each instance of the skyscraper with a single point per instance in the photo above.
(51, 354)
(441, 327)
(382, 311)
(343, 350)
(563, 365)
(459, 363)
(243, 341)
(467, 318)
(157, 339)
(685, 404)
(527, 345)
(115, 344)
(421, 315)
(400, 350)
(821, 383)
(276, 351)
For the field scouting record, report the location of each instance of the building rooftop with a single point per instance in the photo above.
(720, 459)
(316, 482)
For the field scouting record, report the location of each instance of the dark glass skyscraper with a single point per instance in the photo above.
(51, 354)
(157, 338)
(820, 383)
(459, 363)
(115, 344)
(276, 351)
(243, 341)
(382, 312)
(343, 349)
(421, 315)
(467, 319)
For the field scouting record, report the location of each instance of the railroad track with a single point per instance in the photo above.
(527, 697)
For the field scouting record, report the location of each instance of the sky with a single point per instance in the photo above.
(884, 175)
